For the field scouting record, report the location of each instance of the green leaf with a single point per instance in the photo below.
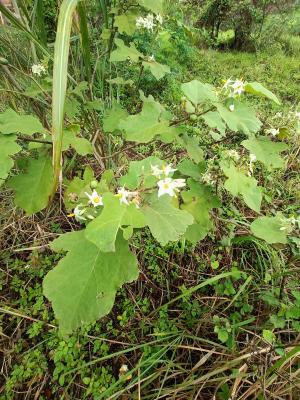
(259, 90)
(188, 168)
(166, 222)
(140, 171)
(126, 23)
(8, 147)
(120, 81)
(193, 148)
(242, 119)
(123, 52)
(76, 189)
(11, 122)
(103, 230)
(155, 6)
(113, 117)
(33, 188)
(198, 92)
(145, 126)
(240, 184)
(81, 145)
(82, 287)
(214, 120)
(198, 201)
(266, 151)
(157, 70)
(223, 335)
(269, 336)
(269, 229)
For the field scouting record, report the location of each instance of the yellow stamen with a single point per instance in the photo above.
(70, 215)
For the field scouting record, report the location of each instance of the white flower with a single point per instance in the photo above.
(233, 154)
(139, 23)
(165, 170)
(238, 87)
(274, 132)
(95, 199)
(159, 19)
(78, 213)
(231, 107)
(125, 196)
(208, 178)
(151, 58)
(252, 160)
(156, 171)
(227, 84)
(297, 115)
(234, 88)
(38, 69)
(170, 186)
(147, 22)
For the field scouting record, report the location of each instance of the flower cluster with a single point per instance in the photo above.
(38, 69)
(272, 131)
(167, 185)
(252, 160)
(127, 197)
(233, 154)
(234, 88)
(289, 224)
(148, 22)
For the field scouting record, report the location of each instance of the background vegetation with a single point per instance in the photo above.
(180, 338)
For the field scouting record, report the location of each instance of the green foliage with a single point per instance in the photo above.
(258, 89)
(123, 52)
(11, 122)
(165, 221)
(198, 201)
(198, 92)
(83, 285)
(242, 119)
(158, 70)
(8, 147)
(238, 183)
(103, 230)
(33, 187)
(266, 151)
(148, 124)
(155, 6)
(270, 229)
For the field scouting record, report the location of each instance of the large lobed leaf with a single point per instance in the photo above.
(33, 187)
(155, 6)
(82, 287)
(266, 151)
(198, 201)
(157, 70)
(198, 92)
(242, 119)
(123, 52)
(238, 183)
(166, 222)
(11, 122)
(8, 147)
(103, 230)
(258, 89)
(269, 229)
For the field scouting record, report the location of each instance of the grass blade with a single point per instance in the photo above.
(60, 77)
(85, 41)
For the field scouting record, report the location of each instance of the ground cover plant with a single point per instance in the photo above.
(149, 208)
